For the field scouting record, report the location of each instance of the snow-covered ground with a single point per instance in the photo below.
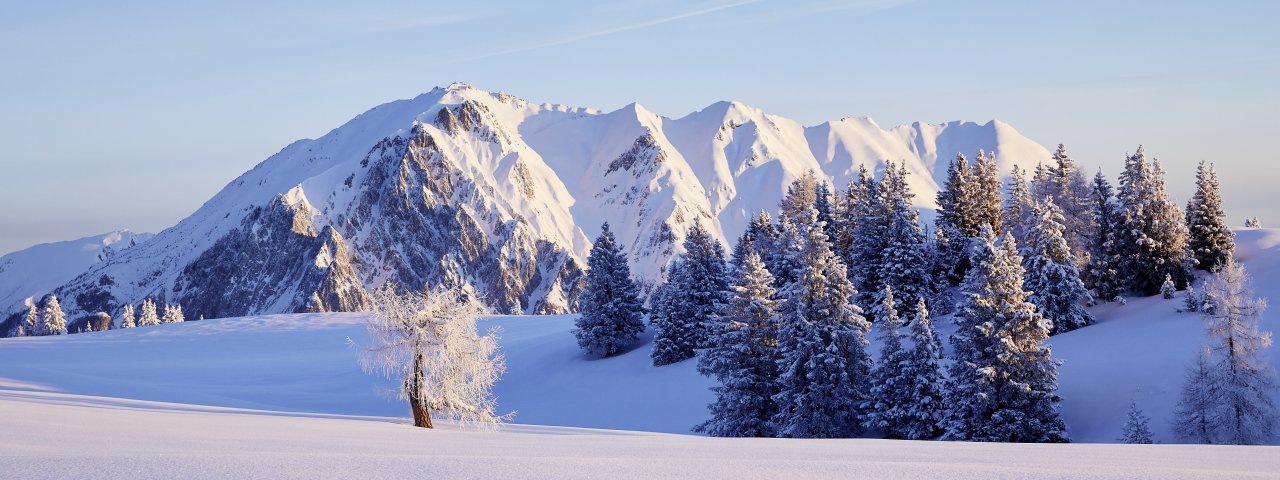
(286, 390)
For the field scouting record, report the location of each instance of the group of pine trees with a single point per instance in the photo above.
(51, 320)
(782, 324)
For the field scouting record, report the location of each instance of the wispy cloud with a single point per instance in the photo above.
(565, 40)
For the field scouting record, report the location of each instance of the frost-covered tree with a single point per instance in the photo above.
(1245, 412)
(1153, 240)
(52, 320)
(851, 209)
(956, 198)
(611, 312)
(126, 317)
(1017, 203)
(826, 207)
(904, 261)
(1103, 273)
(31, 324)
(1050, 270)
(801, 196)
(987, 209)
(1211, 242)
(1193, 419)
(172, 314)
(1064, 182)
(1003, 379)
(924, 418)
(1168, 289)
(743, 358)
(1252, 222)
(147, 314)
(892, 393)
(1136, 429)
(1190, 300)
(824, 367)
(761, 237)
(702, 289)
(430, 343)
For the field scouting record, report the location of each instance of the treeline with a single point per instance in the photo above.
(50, 320)
(782, 322)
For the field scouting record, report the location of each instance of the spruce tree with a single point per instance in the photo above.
(763, 235)
(743, 358)
(903, 262)
(31, 323)
(1064, 182)
(870, 240)
(1103, 273)
(1211, 242)
(801, 195)
(1017, 203)
(851, 207)
(924, 416)
(1050, 270)
(701, 290)
(126, 317)
(611, 314)
(147, 317)
(53, 321)
(1003, 380)
(824, 366)
(956, 198)
(826, 207)
(986, 197)
(1154, 237)
(1136, 430)
(891, 399)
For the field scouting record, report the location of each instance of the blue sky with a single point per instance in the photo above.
(132, 114)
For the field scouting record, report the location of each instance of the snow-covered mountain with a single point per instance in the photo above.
(37, 270)
(460, 185)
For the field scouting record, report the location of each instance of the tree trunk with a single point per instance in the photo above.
(421, 416)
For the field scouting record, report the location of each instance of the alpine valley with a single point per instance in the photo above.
(461, 186)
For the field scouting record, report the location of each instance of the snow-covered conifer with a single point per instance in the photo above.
(892, 389)
(824, 366)
(986, 197)
(1017, 203)
(1050, 270)
(147, 315)
(955, 199)
(31, 324)
(1103, 273)
(429, 343)
(1190, 300)
(743, 357)
(703, 289)
(53, 321)
(1252, 222)
(611, 312)
(1245, 412)
(1003, 380)
(172, 314)
(1136, 429)
(924, 417)
(904, 261)
(1211, 242)
(1064, 182)
(126, 317)
(851, 208)
(1168, 289)
(826, 207)
(1154, 237)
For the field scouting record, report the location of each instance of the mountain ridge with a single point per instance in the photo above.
(501, 195)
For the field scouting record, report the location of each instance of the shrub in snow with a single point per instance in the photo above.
(1003, 379)
(611, 312)
(429, 341)
(1168, 289)
(1190, 300)
(743, 357)
(1228, 397)
(1252, 222)
(1136, 430)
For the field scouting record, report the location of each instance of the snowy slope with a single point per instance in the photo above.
(74, 436)
(303, 363)
(37, 270)
(461, 185)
